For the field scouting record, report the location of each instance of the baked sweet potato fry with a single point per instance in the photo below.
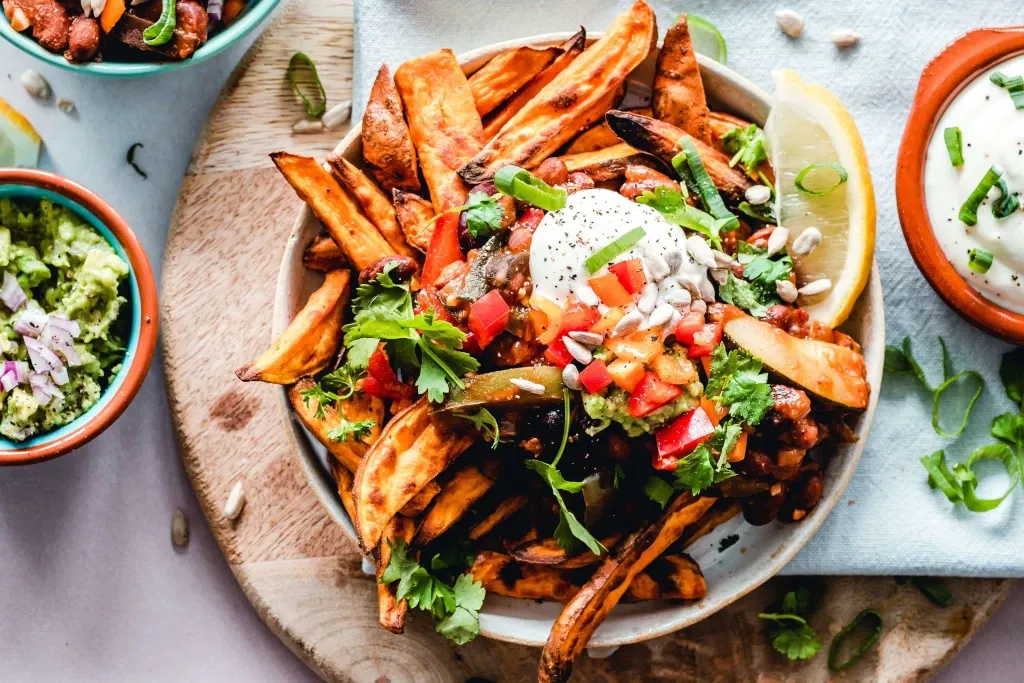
(311, 339)
(669, 577)
(360, 241)
(719, 514)
(569, 50)
(421, 501)
(502, 512)
(571, 101)
(357, 407)
(410, 452)
(467, 486)
(507, 72)
(662, 140)
(678, 93)
(600, 135)
(387, 145)
(343, 478)
(720, 123)
(375, 204)
(323, 254)
(414, 213)
(610, 163)
(585, 612)
(547, 552)
(391, 611)
(443, 121)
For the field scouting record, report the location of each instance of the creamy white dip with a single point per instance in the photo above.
(992, 132)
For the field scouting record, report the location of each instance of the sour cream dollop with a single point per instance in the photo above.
(992, 131)
(591, 220)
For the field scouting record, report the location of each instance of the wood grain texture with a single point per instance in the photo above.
(298, 569)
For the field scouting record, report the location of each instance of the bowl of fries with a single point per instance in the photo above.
(363, 225)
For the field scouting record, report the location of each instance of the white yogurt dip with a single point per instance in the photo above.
(992, 131)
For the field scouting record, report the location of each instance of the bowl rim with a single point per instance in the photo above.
(214, 46)
(113, 404)
(773, 563)
(941, 80)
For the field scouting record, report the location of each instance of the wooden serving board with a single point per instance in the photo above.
(296, 567)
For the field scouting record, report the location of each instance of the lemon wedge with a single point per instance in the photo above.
(809, 126)
(19, 142)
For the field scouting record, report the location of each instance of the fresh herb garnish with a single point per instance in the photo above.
(708, 464)
(969, 210)
(162, 31)
(758, 291)
(130, 158)
(485, 421)
(689, 159)
(483, 214)
(873, 621)
(569, 532)
(356, 429)
(954, 145)
(828, 187)
(658, 490)
(620, 245)
(960, 484)
(737, 382)
(456, 607)
(1014, 86)
(748, 145)
(787, 628)
(760, 212)
(521, 184)
(305, 81)
(742, 294)
(671, 205)
(979, 260)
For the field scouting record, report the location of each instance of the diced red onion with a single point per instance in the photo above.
(21, 370)
(44, 384)
(215, 10)
(8, 381)
(31, 322)
(59, 375)
(43, 358)
(41, 397)
(60, 320)
(60, 340)
(11, 293)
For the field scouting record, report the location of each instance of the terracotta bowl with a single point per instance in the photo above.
(142, 300)
(761, 551)
(941, 81)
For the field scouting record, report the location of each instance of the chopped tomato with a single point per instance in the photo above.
(705, 340)
(381, 380)
(595, 377)
(557, 354)
(688, 325)
(608, 321)
(577, 316)
(610, 290)
(488, 316)
(642, 345)
(530, 218)
(443, 248)
(626, 373)
(650, 394)
(680, 437)
(674, 369)
(630, 274)
(427, 299)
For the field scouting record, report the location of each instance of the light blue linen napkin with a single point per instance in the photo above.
(888, 521)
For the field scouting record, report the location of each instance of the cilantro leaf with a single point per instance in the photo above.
(414, 583)
(749, 146)
(383, 293)
(737, 382)
(553, 477)
(343, 380)
(796, 643)
(483, 214)
(787, 628)
(671, 205)
(356, 429)
(485, 421)
(357, 355)
(708, 464)
(463, 622)
(744, 295)
(322, 397)
(658, 490)
(764, 272)
(759, 212)
(1009, 427)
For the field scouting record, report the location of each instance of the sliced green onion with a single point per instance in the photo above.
(526, 187)
(937, 401)
(163, 30)
(841, 176)
(969, 211)
(979, 260)
(1007, 202)
(705, 186)
(1014, 86)
(706, 39)
(874, 622)
(965, 473)
(620, 245)
(762, 212)
(954, 145)
(934, 589)
(302, 77)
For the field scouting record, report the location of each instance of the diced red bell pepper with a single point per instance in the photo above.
(680, 437)
(630, 274)
(427, 299)
(443, 248)
(610, 290)
(687, 326)
(557, 354)
(488, 316)
(577, 316)
(705, 340)
(595, 377)
(530, 218)
(650, 394)
(381, 380)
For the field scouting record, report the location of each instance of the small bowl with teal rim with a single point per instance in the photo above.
(104, 375)
(116, 66)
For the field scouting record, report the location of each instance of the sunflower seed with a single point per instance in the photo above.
(338, 115)
(308, 126)
(590, 339)
(588, 297)
(699, 306)
(65, 104)
(807, 241)
(628, 323)
(700, 251)
(661, 315)
(236, 501)
(719, 275)
(817, 287)
(691, 287)
(707, 290)
(677, 298)
(571, 377)
(578, 351)
(35, 85)
(722, 260)
(527, 386)
(791, 23)
(674, 259)
(777, 241)
(786, 290)
(844, 37)
(758, 194)
(179, 529)
(649, 299)
(657, 266)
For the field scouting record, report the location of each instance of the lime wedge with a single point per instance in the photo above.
(19, 142)
(706, 39)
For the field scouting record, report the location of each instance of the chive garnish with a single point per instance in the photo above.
(1007, 202)
(130, 158)
(705, 186)
(874, 621)
(619, 246)
(841, 176)
(979, 260)
(302, 76)
(1014, 86)
(522, 185)
(163, 30)
(969, 211)
(954, 145)
(960, 484)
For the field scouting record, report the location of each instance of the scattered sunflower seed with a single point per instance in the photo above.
(844, 37)
(817, 287)
(699, 306)
(236, 501)
(674, 259)
(527, 386)
(658, 267)
(590, 339)
(179, 529)
(700, 251)
(661, 315)
(629, 323)
(707, 291)
(806, 241)
(308, 126)
(578, 351)
(777, 241)
(571, 377)
(786, 290)
(758, 194)
(65, 104)
(35, 85)
(791, 23)
(720, 275)
(649, 298)
(678, 298)
(588, 297)
(722, 260)
(338, 115)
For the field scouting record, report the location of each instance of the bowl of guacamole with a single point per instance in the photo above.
(76, 331)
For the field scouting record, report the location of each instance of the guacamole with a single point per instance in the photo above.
(61, 336)
(613, 406)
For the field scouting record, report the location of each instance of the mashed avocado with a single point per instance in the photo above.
(70, 276)
(614, 406)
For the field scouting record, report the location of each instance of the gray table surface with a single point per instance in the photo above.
(90, 587)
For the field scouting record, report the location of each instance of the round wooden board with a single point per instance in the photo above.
(298, 569)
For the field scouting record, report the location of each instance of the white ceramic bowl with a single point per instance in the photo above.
(730, 574)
